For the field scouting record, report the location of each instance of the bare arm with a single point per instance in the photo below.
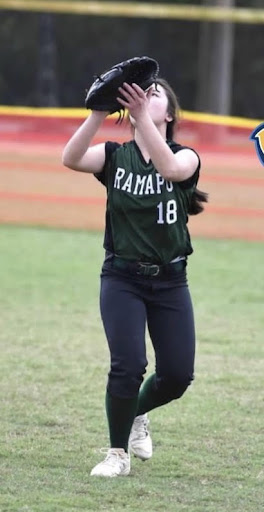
(77, 154)
(172, 167)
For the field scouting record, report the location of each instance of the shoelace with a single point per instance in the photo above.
(140, 427)
(111, 456)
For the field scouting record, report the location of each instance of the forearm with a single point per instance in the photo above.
(161, 155)
(81, 140)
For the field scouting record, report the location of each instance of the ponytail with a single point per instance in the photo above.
(198, 197)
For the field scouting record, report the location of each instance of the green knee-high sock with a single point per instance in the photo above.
(120, 414)
(149, 398)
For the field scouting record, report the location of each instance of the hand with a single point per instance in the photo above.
(134, 99)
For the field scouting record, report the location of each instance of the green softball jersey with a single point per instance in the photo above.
(146, 216)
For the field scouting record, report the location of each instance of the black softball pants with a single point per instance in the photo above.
(129, 303)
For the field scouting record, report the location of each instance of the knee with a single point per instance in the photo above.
(123, 383)
(174, 386)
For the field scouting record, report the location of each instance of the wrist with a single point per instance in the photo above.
(99, 114)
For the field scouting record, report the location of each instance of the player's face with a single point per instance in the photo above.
(158, 105)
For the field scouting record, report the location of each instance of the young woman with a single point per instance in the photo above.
(151, 188)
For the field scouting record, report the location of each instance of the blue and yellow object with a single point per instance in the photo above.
(258, 136)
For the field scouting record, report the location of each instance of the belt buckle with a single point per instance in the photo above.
(156, 271)
(147, 269)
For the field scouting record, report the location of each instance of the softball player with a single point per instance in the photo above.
(151, 188)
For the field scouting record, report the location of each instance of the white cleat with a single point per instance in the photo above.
(116, 463)
(140, 443)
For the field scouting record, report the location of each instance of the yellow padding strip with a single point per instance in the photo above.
(83, 113)
(142, 10)
(43, 112)
(240, 122)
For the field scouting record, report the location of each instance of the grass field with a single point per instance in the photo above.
(209, 445)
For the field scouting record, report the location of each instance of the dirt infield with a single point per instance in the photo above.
(36, 189)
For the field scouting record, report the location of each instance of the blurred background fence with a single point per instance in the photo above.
(210, 51)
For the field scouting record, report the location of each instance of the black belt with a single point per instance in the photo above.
(148, 269)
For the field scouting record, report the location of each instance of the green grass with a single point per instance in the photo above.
(54, 362)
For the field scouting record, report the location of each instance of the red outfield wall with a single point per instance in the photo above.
(36, 189)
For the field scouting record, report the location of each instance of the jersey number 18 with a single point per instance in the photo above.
(167, 211)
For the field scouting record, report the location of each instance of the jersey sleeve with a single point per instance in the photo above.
(193, 180)
(110, 148)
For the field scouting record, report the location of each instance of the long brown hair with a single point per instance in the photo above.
(198, 196)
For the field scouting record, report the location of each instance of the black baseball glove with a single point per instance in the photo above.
(103, 93)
